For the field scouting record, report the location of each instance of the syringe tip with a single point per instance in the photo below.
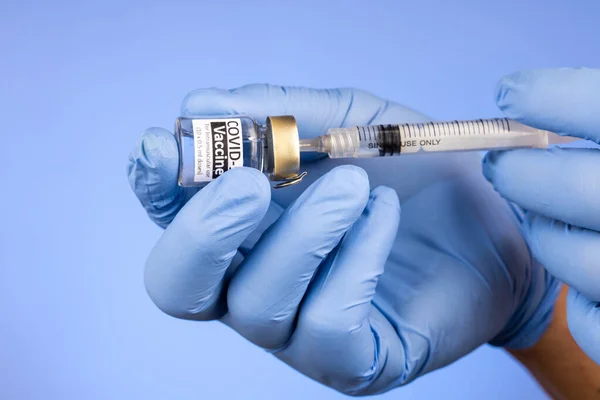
(310, 145)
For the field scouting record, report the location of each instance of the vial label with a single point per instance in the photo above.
(218, 147)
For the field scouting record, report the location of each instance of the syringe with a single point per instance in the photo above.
(394, 140)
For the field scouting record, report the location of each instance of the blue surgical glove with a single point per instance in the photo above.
(558, 188)
(322, 274)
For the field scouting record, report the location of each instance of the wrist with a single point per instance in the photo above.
(557, 363)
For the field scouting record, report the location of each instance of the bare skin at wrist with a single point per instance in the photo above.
(557, 362)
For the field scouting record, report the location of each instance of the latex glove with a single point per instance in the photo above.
(559, 188)
(335, 288)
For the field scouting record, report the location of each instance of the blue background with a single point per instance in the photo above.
(79, 82)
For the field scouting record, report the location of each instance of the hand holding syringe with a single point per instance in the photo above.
(394, 140)
(415, 251)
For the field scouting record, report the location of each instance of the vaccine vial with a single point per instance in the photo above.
(209, 147)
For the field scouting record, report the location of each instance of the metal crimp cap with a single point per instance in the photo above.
(284, 142)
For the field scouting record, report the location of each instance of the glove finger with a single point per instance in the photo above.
(562, 100)
(583, 318)
(337, 319)
(558, 183)
(570, 253)
(152, 173)
(267, 288)
(341, 294)
(185, 270)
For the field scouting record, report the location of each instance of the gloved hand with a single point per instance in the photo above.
(322, 274)
(559, 188)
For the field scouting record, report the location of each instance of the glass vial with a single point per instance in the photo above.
(209, 147)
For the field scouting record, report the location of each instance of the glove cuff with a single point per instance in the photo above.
(534, 315)
(535, 309)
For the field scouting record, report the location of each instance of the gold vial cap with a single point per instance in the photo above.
(285, 144)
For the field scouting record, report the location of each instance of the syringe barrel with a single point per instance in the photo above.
(393, 140)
